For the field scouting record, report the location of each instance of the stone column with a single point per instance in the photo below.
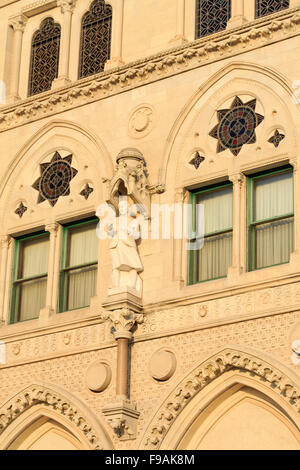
(179, 37)
(237, 181)
(116, 59)
(18, 24)
(4, 243)
(50, 307)
(180, 195)
(122, 414)
(67, 7)
(296, 253)
(237, 13)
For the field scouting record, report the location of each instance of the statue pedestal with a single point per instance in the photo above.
(123, 297)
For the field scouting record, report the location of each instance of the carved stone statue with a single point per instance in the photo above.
(126, 262)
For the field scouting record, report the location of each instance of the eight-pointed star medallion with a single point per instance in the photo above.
(55, 179)
(236, 126)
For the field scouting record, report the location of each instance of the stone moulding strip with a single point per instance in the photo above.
(227, 360)
(171, 62)
(38, 7)
(41, 395)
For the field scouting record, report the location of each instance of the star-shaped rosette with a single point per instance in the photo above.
(236, 126)
(55, 179)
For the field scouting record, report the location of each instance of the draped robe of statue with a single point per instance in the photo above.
(126, 262)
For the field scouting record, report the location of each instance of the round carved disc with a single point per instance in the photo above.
(98, 377)
(162, 365)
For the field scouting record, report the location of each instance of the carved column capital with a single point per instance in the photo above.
(66, 5)
(18, 22)
(5, 241)
(237, 178)
(123, 320)
(52, 228)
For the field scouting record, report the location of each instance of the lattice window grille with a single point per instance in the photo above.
(212, 16)
(44, 57)
(95, 39)
(267, 7)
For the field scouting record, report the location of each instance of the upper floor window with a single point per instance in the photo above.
(213, 257)
(212, 16)
(270, 218)
(44, 57)
(267, 7)
(79, 263)
(95, 38)
(29, 282)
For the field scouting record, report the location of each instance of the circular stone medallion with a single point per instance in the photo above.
(162, 365)
(98, 377)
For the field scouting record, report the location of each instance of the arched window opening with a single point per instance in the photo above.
(267, 7)
(211, 16)
(44, 57)
(95, 39)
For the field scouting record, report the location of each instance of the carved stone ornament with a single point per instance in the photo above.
(35, 395)
(199, 378)
(123, 320)
(130, 178)
(122, 416)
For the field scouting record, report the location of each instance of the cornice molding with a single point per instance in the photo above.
(177, 60)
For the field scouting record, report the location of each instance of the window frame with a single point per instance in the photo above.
(192, 254)
(63, 279)
(14, 313)
(250, 210)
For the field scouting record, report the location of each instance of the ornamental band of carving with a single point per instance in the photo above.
(193, 55)
(226, 360)
(39, 395)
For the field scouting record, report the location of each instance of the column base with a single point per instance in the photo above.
(178, 40)
(113, 63)
(122, 416)
(11, 99)
(237, 21)
(60, 82)
(45, 314)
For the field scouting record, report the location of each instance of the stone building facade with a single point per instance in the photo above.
(165, 103)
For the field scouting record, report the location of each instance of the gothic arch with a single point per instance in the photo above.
(228, 367)
(94, 161)
(239, 76)
(43, 401)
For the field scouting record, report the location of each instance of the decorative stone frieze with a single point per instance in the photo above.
(225, 44)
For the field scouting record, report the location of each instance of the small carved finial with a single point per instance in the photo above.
(197, 160)
(276, 138)
(87, 191)
(21, 209)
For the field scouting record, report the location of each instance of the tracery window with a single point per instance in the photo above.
(212, 16)
(95, 38)
(267, 7)
(44, 57)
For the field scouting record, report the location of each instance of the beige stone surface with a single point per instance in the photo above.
(232, 337)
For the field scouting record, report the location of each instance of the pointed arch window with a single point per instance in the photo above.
(211, 16)
(95, 38)
(267, 7)
(44, 57)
